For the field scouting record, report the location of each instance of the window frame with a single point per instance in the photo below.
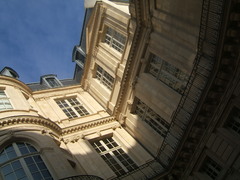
(113, 152)
(104, 78)
(3, 99)
(50, 84)
(167, 73)
(148, 116)
(28, 159)
(113, 38)
(208, 173)
(73, 110)
(232, 123)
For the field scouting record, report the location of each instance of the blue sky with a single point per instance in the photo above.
(37, 36)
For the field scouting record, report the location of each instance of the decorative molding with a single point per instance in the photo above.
(15, 120)
(136, 15)
(15, 83)
(50, 125)
(87, 125)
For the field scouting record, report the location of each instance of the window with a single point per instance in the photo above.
(22, 161)
(211, 168)
(233, 122)
(52, 82)
(115, 39)
(114, 156)
(151, 118)
(72, 108)
(168, 74)
(4, 101)
(104, 78)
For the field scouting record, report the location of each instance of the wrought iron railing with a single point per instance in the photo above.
(146, 171)
(211, 18)
(82, 177)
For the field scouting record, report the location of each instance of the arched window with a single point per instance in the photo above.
(21, 161)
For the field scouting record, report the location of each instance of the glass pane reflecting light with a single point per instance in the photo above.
(22, 161)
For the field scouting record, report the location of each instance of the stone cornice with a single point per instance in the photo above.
(5, 80)
(34, 120)
(10, 122)
(64, 93)
(54, 90)
(136, 15)
(87, 125)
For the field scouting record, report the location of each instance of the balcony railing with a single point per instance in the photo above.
(146, 171)
(211, 19)
(83, 177)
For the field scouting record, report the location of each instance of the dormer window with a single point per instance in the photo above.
(51, 81)
(7, 71)
(79, 56)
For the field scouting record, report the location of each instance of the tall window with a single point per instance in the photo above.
(233, 122)
(211, 168)
(114, 156)
(72, 107)
(115, 39)
(151, 118)
(4, 101)
(22, 161)
(168, 74)
(52, 82)
(105, 78)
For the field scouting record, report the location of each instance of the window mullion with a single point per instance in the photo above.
(103, 76)
(104, 145)
(160, 69)
(72, 107)
(22, 161)
(26, 169)
(111, 35)
(110, 151)
(117, 160)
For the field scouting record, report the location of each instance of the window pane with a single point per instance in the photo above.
(105, 78)
(37, 159)
(29, 160)
(168, 74)
(69, 105)
(115, 39)
(2, 94)
(114, 156)
(37, 176)
(31, 148)
(211, 168)
(3, 158)
(4, 101)
(46, 174)
(53, 82)
(10, 177)
(6, 169)
(24, 150)
(20, 173)
(32, 168)
(11, 155)
(233, 122)
(151, 118)
(16, 165)
(17, 169)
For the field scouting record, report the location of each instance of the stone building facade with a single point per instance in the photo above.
(158, 98)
